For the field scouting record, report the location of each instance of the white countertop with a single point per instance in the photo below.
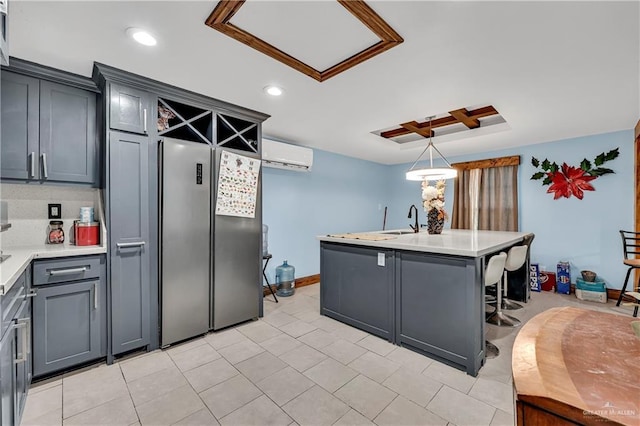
(458, 242)
(11, 268)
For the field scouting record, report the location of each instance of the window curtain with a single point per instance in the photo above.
(486, 199)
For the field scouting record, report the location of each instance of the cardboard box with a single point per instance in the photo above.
(547, 281)
(563, 278)
(595, 291)
(534, 277)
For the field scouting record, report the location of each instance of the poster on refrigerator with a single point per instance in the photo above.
(237, 185)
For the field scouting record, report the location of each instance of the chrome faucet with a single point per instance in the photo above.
(415, 228)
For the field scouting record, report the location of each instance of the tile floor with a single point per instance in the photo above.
(291, 367)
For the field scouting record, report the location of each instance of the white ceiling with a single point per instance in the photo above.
(553, 70)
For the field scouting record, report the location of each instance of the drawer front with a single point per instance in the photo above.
(10, 302)
(68, 269)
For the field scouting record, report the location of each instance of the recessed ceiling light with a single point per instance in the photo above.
(273, 90)
(141, 36)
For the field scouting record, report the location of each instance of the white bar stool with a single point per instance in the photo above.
(492, 276)
(498, 317)
(516, 257)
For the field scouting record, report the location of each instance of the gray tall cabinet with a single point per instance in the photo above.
(138, 112)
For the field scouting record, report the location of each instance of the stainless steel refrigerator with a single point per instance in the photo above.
(210, 266)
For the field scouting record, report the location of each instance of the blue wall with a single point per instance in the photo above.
(340, 194)
(343, 194)
(583, 232)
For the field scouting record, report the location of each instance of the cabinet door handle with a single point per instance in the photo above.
(126, 245)
(144, 120)
(32, 293)
(32, 165)
(68, 271)
(44, 166)
(23, 354)
(27, 334)
(95, 296)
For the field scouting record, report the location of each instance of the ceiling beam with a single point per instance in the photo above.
(462, 115)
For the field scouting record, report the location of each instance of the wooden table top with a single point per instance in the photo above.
(579, 364)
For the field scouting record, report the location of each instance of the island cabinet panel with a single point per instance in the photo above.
(357, 287)
(438, 303)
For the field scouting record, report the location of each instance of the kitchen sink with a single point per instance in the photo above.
(397, 232)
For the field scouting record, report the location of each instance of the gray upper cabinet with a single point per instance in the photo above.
(130, 109)
(20, 120)
(129, 241)
(48, 131)
(67, 133)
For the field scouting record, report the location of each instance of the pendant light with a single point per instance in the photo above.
(431, 173)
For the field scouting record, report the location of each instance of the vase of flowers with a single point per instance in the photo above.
(433, 203)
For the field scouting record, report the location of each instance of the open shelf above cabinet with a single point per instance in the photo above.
(185, 122)
(236, 133)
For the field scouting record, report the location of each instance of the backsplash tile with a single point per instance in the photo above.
(28, 210)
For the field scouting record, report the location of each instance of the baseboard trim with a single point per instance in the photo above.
(300, 282)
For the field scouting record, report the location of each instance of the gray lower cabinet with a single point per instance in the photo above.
(69, 312)
(438, 302)
(15, 350)
(128, 210)
(358, 287)
(129, 109)
(48, 132)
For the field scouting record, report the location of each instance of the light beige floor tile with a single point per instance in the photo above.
(377, 345)
(494, 393)
(318, 339)
(350, 334)
(52, 418)
(280, 344)
(285, 385)
(501, 418)
(170, 407)
(222, 339)
(307, 316)
(116, 412)
(460, 409)
(155, 385)
(260, 366)
(343, 351)
(228, 396)
(309, 290)
(316, 407)
(278, 319)
(450, 376)
(327, 324)
(413, 386)
(186, 346)
(199, 418)
(303, 357)
(91, 388)
(195, 357)
(300, 304)
(404, 412)
(42, 403)
(374, 366)
(238, 352)
(353, 418)
(366, 396)
(330, 374)
(45, 384)
(298, 328)
(259, 331)
(134, 368)
(210, 374)
(499, 368)
(409, 359)
(261, 411)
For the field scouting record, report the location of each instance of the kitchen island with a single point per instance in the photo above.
(424, 292)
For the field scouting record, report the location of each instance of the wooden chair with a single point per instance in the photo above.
(631, 248)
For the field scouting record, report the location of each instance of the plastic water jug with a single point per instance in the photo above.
(285, 279)
(265, 240)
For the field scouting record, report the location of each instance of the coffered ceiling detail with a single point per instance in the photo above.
(225, 10)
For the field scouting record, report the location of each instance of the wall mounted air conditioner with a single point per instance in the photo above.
(280, 155)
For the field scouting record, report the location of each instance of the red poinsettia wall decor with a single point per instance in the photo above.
(567, 180)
